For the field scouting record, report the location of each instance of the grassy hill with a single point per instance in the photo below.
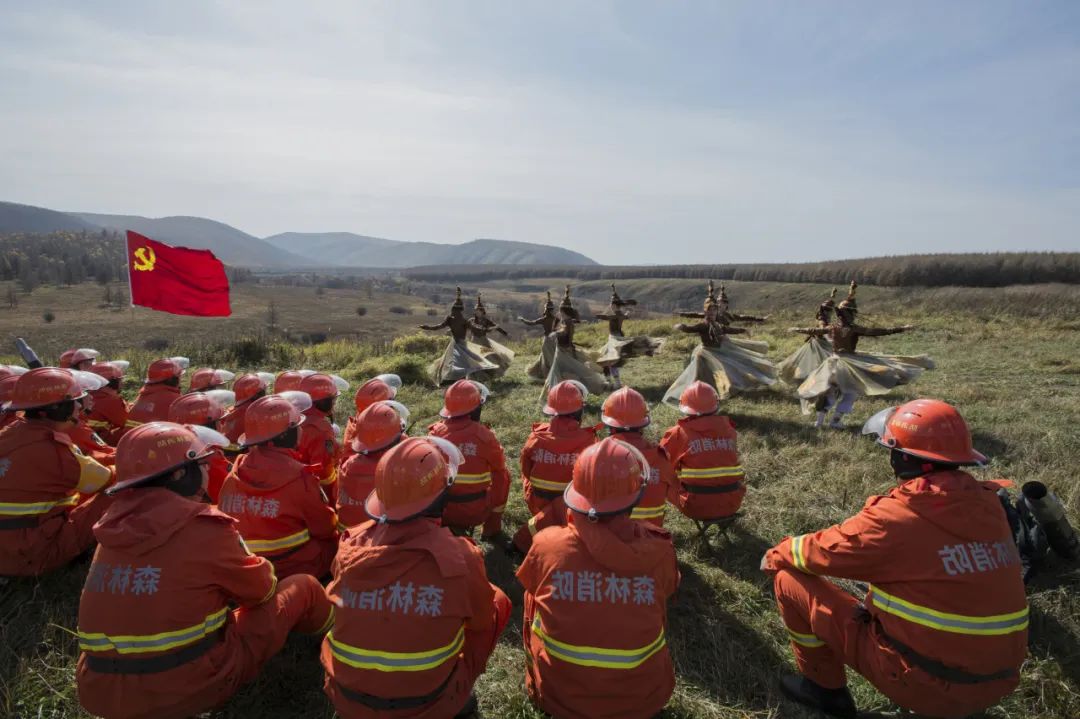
(1016, 379)
(29, 219)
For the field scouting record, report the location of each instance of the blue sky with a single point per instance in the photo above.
(635, 132)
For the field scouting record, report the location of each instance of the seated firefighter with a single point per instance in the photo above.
(160, 389)
(375, 431)
(417, 618)
(157, 633)
(596, 595)
(942, 630)
(49, 490)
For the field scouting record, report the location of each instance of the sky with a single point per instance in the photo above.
(634, 132)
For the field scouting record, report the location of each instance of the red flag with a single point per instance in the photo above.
(176, 279)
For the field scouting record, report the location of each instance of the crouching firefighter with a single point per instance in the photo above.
(943, 628)
(417, 618)
(156, 633)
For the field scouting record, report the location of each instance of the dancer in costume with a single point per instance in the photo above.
(571, 361)
(719, 361)
(487, 348)
(620, 348)
(846, 374)
(539, 369)
(458, 362)
(815, 350)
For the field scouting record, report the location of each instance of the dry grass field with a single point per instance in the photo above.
(1010, 359)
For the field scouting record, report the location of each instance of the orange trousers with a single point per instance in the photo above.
(478, 648)
(830, 629)
(313, 558)
(53, 543)
(252, 637)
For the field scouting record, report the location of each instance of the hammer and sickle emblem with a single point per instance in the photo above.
(144, 259)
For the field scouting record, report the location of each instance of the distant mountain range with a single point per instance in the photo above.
(290, 249)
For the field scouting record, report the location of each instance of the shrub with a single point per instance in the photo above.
(49, 316)
(361, 311)
(432, 312)
(418, 344)
(156, 344)
(399, 310)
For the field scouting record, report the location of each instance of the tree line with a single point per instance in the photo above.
(992, 269)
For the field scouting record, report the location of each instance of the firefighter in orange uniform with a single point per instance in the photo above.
(8, 378)
(703, 446)
(479, 494)
(49, 497)
(547, 459)
(160, 389)
(377, 429)
(206, 379)
(109, 415)
(943, 629)
(280, 510)
(626, 415)
(417, 618)
(596, 596)
(247, 388)
(318, 444)
(78, 359)
(379, 389)
(157, 634)
(207, 409)
(79, 428)
(290, 379)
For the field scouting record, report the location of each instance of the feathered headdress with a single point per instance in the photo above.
(480, 302)
(849, 302)
(458, 304)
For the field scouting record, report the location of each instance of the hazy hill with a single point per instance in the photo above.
(231, 245)
(345, 248)
(27, 218)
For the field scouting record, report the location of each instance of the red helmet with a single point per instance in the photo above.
(7, 387)
(699, 399)
(153, 449)
(411, 477)
(43, 387)
(207, 378)
(928, 429)
(163, 370)
(290, 379)
(84, 354)
(567, 397)
(609, 478)
(462, 398)
(379, 426)
(201, 408)
(383, 387)
(625, 409)
(247, 386)
(273, 416)
(323, 386)
(10, 370)
(110, 371)
(65, 359)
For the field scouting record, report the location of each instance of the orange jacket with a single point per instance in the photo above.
(482, 484)
(110, 414)
(651, 508)
(219, 468)
(709, 477)
(411, 599)
(596, 617)
(547, 459)
(41, 472)
(90, 442)
(347, 439)
(153, 403)
(163, 577)
(552, 514)
(7, 418)
(943, 569)
(280, 510)
(232, 424)
(318, 447)
(355, 482)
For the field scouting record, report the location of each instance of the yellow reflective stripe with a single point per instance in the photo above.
(331, 479)
(710, 472)
(798, 554)
(136, 644)
(273, 586)
(328, 623)
(647, 512)
(262, 546)
(993, 625)
(473, 478)
(805, 640)
(359, 658)
(598, 656)
(29, 509)
(98, 423)
(131, 423)
(547, 484)
(532, 525)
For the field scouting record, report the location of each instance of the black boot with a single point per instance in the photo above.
(834, 702)
(469, 710)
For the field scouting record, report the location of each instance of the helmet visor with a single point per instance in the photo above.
(391, 380)
(876, 425)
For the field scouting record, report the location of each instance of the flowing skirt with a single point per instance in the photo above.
(459, 362)
(619, 349)
(801, 364)
(539, 369)
(576, 365)
(728, 368)
(860, 375)
(493, 352)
